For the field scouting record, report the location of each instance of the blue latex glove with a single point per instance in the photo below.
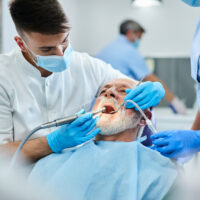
(73, 134)
(146, 95)
(176, 143)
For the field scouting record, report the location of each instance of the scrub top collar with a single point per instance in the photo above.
(123, 38)
(28, 68)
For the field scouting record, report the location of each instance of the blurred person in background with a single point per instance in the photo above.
(123, 55)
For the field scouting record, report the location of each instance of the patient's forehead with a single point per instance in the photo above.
(126, 83)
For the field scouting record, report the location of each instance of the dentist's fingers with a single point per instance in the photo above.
(91, 135)
(81, 120)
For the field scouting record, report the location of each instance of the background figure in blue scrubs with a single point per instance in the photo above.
(123, 55)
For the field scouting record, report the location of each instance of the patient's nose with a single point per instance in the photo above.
(110, 93)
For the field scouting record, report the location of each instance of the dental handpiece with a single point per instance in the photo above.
(58, 122)
(68, 120)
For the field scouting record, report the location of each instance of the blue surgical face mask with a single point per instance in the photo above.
(194, 3)
(136, 43)
(54, 63)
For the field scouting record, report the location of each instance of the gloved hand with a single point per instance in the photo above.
(178, 106)
(176, 143)
(146, 95)
(70, 135)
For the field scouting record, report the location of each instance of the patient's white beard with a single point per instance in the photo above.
(120, 123)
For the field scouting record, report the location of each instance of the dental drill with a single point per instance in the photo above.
(68, 120)
(55, 123)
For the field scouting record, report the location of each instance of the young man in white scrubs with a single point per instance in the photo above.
(43, 79)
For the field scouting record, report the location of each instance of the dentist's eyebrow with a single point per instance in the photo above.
(51, 47)
(65, 38)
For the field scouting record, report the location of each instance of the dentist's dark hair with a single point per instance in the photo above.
(41, 16)
(130, 25)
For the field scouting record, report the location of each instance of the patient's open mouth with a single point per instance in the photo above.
(109, 109)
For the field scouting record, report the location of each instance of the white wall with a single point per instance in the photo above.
(169, 28)
(8, 29)
(95, 23)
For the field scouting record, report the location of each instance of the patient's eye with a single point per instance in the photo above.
(122, 91)
(103, 91)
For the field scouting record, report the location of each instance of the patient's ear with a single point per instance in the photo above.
(149, 116)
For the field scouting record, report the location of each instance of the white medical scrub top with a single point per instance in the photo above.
(28, 100)
(195, 60)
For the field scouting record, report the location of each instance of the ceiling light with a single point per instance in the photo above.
(146, 3)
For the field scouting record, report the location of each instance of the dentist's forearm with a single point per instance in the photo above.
(196, 124)
(33, 150)
(169, 96)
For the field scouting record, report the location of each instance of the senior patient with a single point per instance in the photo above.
(122, 125)
(114, 166)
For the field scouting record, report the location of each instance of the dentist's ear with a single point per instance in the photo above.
(20, 43)
(149, 116)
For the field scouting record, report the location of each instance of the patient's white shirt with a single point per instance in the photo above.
(28, 100)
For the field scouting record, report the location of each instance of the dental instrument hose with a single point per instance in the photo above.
(15, 156)
(55, 123)
(148, 121)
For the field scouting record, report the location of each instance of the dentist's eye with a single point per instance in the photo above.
(46, 50)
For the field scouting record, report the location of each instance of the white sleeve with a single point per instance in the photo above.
(6, 125)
